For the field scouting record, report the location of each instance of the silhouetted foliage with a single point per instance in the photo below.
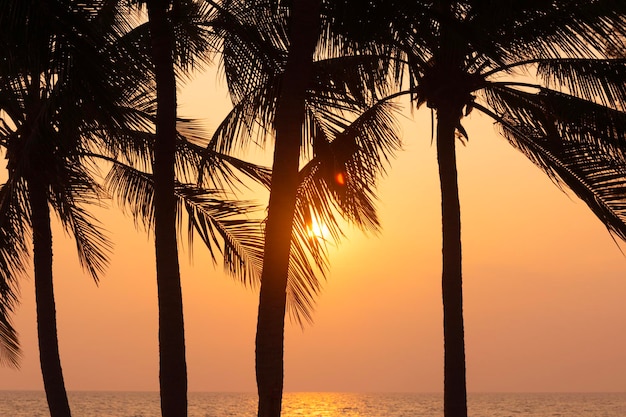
(60, 90)
(540, 70)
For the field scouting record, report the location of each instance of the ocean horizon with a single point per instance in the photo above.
(324, 404)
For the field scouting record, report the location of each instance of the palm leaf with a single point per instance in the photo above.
(303, 284)
(564, 116)
(538, 29)
(220, 223)
(360, 149)
(247, 121)
(198, 161)
(576, 161)
(253, 44)
(598, 80)
(13, 256)
(69, 200)
(132, 190)
(223, 223)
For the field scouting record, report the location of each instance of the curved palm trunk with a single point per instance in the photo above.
(304, 31)
(172, 362)
(455, 397)
(44, 295)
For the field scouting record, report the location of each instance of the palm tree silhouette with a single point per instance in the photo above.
(326, 107)
(158, 176)
(538, 69)
(58, 97)
(173, 46)
(172, 362)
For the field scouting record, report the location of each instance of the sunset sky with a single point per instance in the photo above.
(544, 290)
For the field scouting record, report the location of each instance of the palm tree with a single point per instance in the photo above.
(277, 84)
(304, 32)
(58, 94)
(290, 114)
(170, 45)
(172, 363)
(567, 114)
(117, 139)
(177, 31)
(157, 192)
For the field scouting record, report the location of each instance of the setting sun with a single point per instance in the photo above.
(317, 229)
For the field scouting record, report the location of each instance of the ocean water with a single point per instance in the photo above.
(146, 404)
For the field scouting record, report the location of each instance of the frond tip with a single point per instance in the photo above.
(10, 352)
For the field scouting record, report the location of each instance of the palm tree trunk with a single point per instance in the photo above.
(455, 396)
(304, 31)
(44, 296)
(47, 336)
(172, 362)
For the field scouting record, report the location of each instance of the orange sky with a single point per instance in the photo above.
(544, 291)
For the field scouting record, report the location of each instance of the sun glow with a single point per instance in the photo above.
(317, 229)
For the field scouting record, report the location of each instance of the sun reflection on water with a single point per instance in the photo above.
(321, 405)
(350, 404)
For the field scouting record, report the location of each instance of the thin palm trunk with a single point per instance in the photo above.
(304, 31)
(172, 362)
(455, 397)
(49, 358)
(44, 295)
(449, 102)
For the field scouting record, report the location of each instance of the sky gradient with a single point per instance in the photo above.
(544, 290)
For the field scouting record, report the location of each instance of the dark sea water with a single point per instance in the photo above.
(146, 404)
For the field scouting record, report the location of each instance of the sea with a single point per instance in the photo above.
(146, 404)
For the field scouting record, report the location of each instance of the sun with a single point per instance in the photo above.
(317, 230)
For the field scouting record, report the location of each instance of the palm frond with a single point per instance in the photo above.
(197, 161)
(92, 246)
(574, 161)
(596, 80)
(133, 191)
(253, 41)
(222, 224)
(247, 122)
(538, 29)
(9, 342)
(13, 256)
(193, 40)
(339, 85)
(72, 190)
(13, 232)
(224, 228)
(349, 82)
(564, 116)
(303, 284)
(133, 148)
(359, 149)
(257, 173)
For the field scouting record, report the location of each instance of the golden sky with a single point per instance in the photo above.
(545, 291)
